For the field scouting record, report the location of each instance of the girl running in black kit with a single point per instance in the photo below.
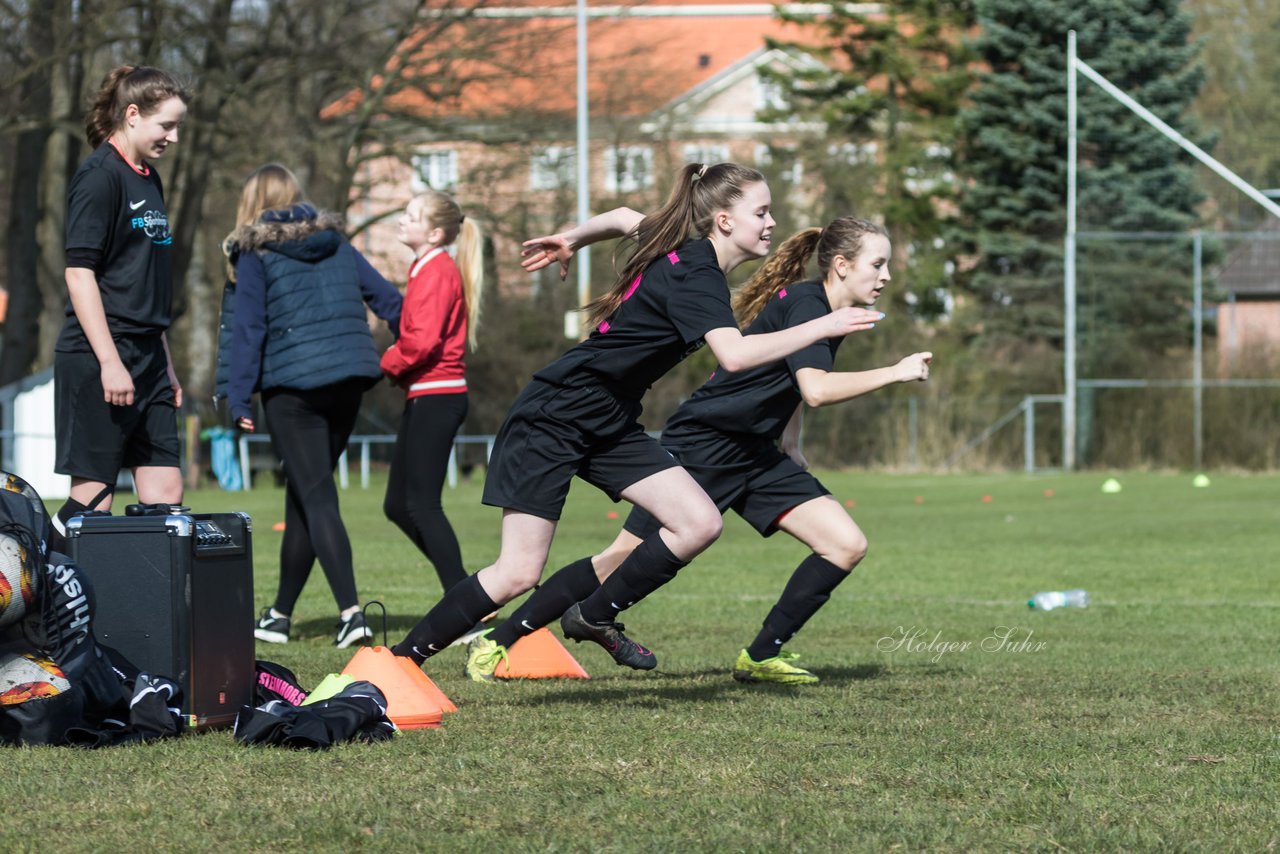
(579, 415)
(441, 311)
(727, 436)
(115, 390)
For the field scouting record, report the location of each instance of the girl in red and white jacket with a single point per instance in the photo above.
(441, 311)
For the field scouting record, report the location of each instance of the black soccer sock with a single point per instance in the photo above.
(58, 530)
(65, 512)
(808, 590)
(646, 569)
(461, 608)
(571, 584)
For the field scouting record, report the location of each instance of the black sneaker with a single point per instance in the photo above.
(609, 635)
(271, 629)
(352, 630)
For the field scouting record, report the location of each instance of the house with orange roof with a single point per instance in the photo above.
(488, 110)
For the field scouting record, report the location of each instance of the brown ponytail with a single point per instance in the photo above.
(700, 192)
(842, 236)
(142, 85)
(784, 267)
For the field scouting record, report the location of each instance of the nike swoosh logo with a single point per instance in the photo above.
(133, 206)
(525, 623)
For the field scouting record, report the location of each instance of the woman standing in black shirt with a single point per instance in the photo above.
(579, 415)
(114, 384)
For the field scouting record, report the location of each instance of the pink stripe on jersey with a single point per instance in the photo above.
(673, 257)
(631, 290)
(782, 294)
(603, 327)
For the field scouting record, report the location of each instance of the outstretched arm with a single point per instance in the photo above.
(539, 252)
(823, 388)
(737, 352)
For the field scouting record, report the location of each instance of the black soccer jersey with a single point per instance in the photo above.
(662, 319)
(760, 401)
(117, 212)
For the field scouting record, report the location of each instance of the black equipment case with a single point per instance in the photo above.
(174, 596)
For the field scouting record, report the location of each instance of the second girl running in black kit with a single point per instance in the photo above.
(579, 415)
(738, 435)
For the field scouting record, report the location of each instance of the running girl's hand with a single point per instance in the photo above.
(117, 385)
(245, 424)
(914, 368)
(852, 319)
(541, 251)
(177, 389)
(796, 455)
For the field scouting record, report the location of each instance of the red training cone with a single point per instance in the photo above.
(408, 705)
(539, 656)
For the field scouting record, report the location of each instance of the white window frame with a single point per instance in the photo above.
(552, 167)
(710, 153)
(435, 169)
(764, 158)
(769, 95)
(629, 178)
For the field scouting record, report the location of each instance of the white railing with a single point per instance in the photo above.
(364, 442)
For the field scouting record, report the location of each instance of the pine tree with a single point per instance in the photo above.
(886, 88)
(1133, 295)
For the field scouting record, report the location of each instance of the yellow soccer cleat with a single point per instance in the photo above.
(778, 669)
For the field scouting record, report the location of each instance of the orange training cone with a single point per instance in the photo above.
(539, 656)
(408, 705)
(428, 687)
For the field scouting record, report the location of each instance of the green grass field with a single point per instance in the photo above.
(1146, 722)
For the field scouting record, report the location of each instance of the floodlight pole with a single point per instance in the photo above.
(1069, 273)
(1197, 338)
(582, 157)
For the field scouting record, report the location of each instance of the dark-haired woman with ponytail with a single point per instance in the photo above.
(115, 389)
(738, 437)
(579, 415)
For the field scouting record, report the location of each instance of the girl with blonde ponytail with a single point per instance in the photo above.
(738, 437)
(441, 316)
(579, 416)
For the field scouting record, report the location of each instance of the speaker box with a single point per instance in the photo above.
(174, 595)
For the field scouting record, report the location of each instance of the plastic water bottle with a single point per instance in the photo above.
(1059, 599)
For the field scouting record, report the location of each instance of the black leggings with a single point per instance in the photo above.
(309, 430)
(427, 430)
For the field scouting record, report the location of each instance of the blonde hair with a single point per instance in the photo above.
(842, 236)
(141, 85)
(700, 192)
(443, 212)
(268, 188)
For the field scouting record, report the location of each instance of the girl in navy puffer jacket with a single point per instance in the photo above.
(299, 336)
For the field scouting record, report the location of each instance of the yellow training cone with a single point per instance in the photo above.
(1111, 486)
